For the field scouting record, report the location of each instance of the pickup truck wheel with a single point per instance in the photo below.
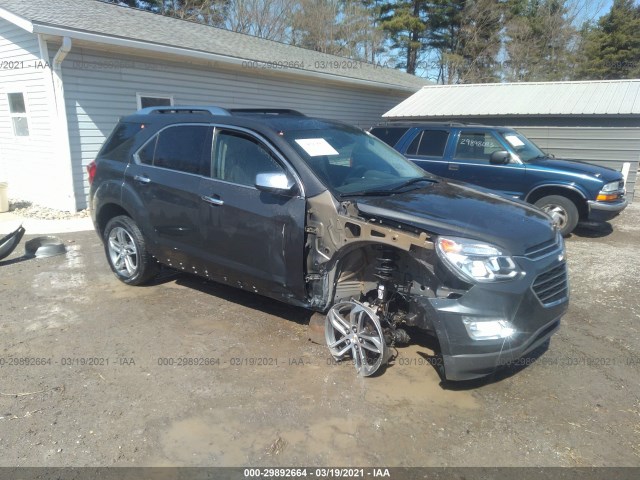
(126, 251)
(563, 211)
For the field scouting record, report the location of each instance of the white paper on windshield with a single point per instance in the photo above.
(514, 141)
(316, 147)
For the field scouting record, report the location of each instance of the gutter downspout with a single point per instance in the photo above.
(61, 128)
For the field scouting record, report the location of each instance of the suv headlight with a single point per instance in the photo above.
(475, 261)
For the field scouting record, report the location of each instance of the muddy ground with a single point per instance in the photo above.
(264, 395)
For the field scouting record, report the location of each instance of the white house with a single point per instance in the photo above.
(70, 68)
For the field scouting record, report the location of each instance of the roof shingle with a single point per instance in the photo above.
(93, 16)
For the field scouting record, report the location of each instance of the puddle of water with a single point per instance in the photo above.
(73, 258)
(200, 441)
(45, 281)
(55, 316)
(412, 380)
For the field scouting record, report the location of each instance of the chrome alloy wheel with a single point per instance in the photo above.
(558, 214)
(354, 328)
(123, 253)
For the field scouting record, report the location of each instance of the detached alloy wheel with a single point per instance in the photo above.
(352, 328)
(562, 210)
(126, 251)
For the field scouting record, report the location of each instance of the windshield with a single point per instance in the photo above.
(525, 148)
(350, 161)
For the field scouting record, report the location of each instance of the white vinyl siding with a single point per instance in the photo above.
(101, 87)
(26, 161)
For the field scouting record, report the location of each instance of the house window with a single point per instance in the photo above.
(18, 113)
(145, 101)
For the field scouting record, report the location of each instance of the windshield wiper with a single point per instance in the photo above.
(412, 181)
(390, 191)
(368, 193)
(539, 157)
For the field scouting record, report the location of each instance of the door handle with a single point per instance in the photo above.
(212, 200)
(142, 179)
(453, 166)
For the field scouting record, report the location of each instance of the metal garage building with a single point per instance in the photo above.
(71, 68)
(594, 121)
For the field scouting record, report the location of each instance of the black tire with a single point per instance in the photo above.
(562, 210)
(126, 251)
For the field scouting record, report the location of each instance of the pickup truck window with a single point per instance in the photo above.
(525, 148)
(430, 143)
(477, 146)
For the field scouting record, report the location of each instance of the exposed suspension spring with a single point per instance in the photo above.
(385, 269)
(386, 264)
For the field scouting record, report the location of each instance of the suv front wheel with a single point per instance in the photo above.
(127, 253)
(562, 210)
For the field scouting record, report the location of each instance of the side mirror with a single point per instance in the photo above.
(500, 157)
(275, 183)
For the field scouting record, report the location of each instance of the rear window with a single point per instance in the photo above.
(389, 135)
(118, 145)
(433, 143)
(185, 148)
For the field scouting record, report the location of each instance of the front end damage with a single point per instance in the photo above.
(375, 278)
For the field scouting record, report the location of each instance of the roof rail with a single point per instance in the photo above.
(200, 109)
(265, 111)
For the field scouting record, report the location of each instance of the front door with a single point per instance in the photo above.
(471, 163)
(255, 238)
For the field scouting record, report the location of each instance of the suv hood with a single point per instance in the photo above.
(577, 166)
(446, 208)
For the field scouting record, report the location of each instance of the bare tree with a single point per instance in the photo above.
(540, 42)
(268, 19)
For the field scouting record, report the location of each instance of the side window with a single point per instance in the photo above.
(185, 148)
(18, 112)
(413, 148)
(145, 155)
(118, 145)
(239, 158)
(476, 146)
(433, 143)
(430, 143)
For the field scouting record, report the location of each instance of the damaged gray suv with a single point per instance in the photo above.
(319, 214)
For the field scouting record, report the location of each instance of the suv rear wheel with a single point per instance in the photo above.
(127, 253)
(563, 211)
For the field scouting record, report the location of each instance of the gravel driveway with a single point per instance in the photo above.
(190, 373)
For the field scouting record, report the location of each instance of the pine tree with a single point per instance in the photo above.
(406, 23)
(611, 49)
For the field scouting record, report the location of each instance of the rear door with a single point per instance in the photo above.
(254, 238)
(427, 150)
(471, 163)
(167, 174)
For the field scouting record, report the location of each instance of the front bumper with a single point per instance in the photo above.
(533, 304)
(604, 211)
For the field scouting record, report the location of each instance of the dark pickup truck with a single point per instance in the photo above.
(504, 160)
